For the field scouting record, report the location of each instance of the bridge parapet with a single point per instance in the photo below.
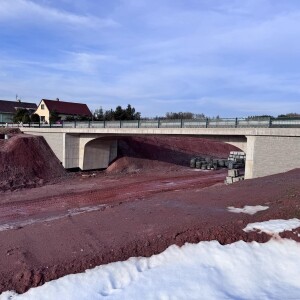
(181, 123)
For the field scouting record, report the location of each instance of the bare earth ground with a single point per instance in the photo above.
(84, 222)
(142, 204)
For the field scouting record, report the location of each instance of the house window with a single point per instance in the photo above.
(42, 106)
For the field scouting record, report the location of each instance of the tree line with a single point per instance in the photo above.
(128, 113)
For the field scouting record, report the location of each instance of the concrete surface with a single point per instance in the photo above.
(269, 150)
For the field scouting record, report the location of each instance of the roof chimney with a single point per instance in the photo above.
(57, 99)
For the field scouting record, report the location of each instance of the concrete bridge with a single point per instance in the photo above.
(268, 150)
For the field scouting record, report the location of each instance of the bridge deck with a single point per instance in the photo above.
(292, 132)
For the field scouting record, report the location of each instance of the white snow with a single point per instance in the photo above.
(274, 226)
(206, 270)
(251, 210)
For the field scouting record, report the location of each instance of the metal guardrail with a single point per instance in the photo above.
(162, 123)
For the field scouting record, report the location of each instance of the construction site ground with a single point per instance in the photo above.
(138, 207)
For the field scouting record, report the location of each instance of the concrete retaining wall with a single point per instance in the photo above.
(268, 155)
(71, 151)
(56, 141)
(97, 154)
(86, 152)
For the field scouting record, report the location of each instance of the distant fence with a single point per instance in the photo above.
(162, 123)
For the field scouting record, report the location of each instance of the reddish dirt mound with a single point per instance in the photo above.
(144, 153)
(132, 164)
(27, 161)
(8, 131)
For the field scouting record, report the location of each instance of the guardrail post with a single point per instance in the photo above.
(62, 123)
(89, 124)
(139, 124)
(181, 123)
(206, 123)
(236, 122)
(120, 124)
(75, 123)
(50, 124)
(158, 121)
(270, 122)
(104, 124)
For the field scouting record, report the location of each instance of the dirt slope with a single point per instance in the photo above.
(27, 161)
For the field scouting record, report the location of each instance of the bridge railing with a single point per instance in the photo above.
(254, 123)
(202, 123)
(281, 123)
(264, 122)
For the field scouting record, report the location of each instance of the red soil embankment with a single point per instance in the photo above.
(155, 152)
(27, 161)
(10, 131)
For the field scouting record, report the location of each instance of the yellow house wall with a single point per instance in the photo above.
(43, 112)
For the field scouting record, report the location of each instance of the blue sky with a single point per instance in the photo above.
(217, 57)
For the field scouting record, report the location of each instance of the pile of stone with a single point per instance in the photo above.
(233, 176)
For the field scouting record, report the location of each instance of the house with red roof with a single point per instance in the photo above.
(9, 108)
(62, 109)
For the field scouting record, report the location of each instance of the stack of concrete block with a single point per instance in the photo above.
(233, 176)
(236, 160)
(206, 163)
(237, 156)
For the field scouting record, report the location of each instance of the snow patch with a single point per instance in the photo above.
(206, 270)
(251, 210)
(273, 226)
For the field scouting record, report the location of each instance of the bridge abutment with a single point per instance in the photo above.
(71, 151)
(268, 155)
(86, 152)
(97, 154)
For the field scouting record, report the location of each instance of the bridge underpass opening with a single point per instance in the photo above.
(98, 153)
(147, 151)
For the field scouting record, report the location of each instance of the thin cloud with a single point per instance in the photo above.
(25, 10)
(217, 57)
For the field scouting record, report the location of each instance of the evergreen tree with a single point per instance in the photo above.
(26, 119)
(20, 113)
(54, 117)
(119, 113)
(35, 118)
